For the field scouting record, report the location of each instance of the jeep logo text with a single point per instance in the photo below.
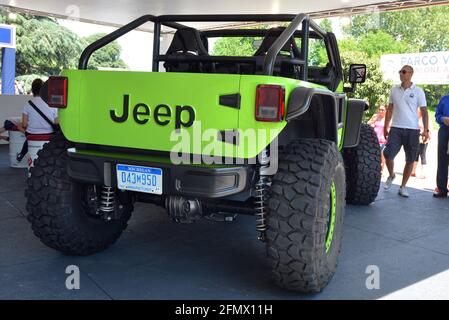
(162, 115)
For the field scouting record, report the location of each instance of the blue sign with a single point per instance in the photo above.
(7, 36)
(8, 45)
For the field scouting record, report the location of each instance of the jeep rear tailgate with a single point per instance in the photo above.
(142, 110)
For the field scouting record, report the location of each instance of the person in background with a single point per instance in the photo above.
(7, 125)
(402, 112)
(34, 123)
(442, 118)
(421, 152)
(377, 121)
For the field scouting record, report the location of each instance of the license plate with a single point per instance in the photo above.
(141, 179)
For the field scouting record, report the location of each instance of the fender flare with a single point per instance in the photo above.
(301, 98)
(299, 103)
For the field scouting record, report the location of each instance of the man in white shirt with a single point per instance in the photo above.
(405, 100)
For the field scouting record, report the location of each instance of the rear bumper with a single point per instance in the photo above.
(186, 180)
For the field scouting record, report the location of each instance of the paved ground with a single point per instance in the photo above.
(156, 259)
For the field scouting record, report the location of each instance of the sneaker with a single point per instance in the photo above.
(389, 182)
(403, 192)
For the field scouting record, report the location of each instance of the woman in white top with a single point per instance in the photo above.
(32, 121)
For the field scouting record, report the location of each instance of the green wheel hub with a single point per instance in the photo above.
(332, 214)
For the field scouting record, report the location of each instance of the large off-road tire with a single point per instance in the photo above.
(57, 210)
(305, 219)
(363, 168)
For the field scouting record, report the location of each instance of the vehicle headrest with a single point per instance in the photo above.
(188, 40)
(271, 36)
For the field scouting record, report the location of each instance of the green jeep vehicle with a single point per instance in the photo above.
(271, 135)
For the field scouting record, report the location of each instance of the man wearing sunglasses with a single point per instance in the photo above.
(402, 112)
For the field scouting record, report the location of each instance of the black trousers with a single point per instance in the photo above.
(443, 158)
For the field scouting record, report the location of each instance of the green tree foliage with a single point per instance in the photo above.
(317, 53)
(424, 29)
(317, 49)
(378, 42)
(46, 48)
(434, 94)
(375, 90)
(235, 46)
(326, 25)
(238, 46)
(106, 57)
(43, 46)
(247, 46)
(367, 49)
(28, 80)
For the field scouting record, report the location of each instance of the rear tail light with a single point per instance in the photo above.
(270, 103)
(57, 92)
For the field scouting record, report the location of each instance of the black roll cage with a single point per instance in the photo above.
(269, 60)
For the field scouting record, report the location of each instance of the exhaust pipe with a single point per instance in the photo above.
(183, 210)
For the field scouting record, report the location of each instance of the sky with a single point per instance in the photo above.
(136, 45)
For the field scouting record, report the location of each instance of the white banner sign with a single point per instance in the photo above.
(430, 67)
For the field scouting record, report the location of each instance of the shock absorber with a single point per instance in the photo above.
(261, 191)
(107, 201)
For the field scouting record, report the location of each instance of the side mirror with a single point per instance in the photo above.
(357, 73)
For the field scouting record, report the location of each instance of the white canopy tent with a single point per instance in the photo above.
(117, 13)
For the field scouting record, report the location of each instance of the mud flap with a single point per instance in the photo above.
(354, 114)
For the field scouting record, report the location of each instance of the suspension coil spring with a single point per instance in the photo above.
(261, 191)
(107, 200)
